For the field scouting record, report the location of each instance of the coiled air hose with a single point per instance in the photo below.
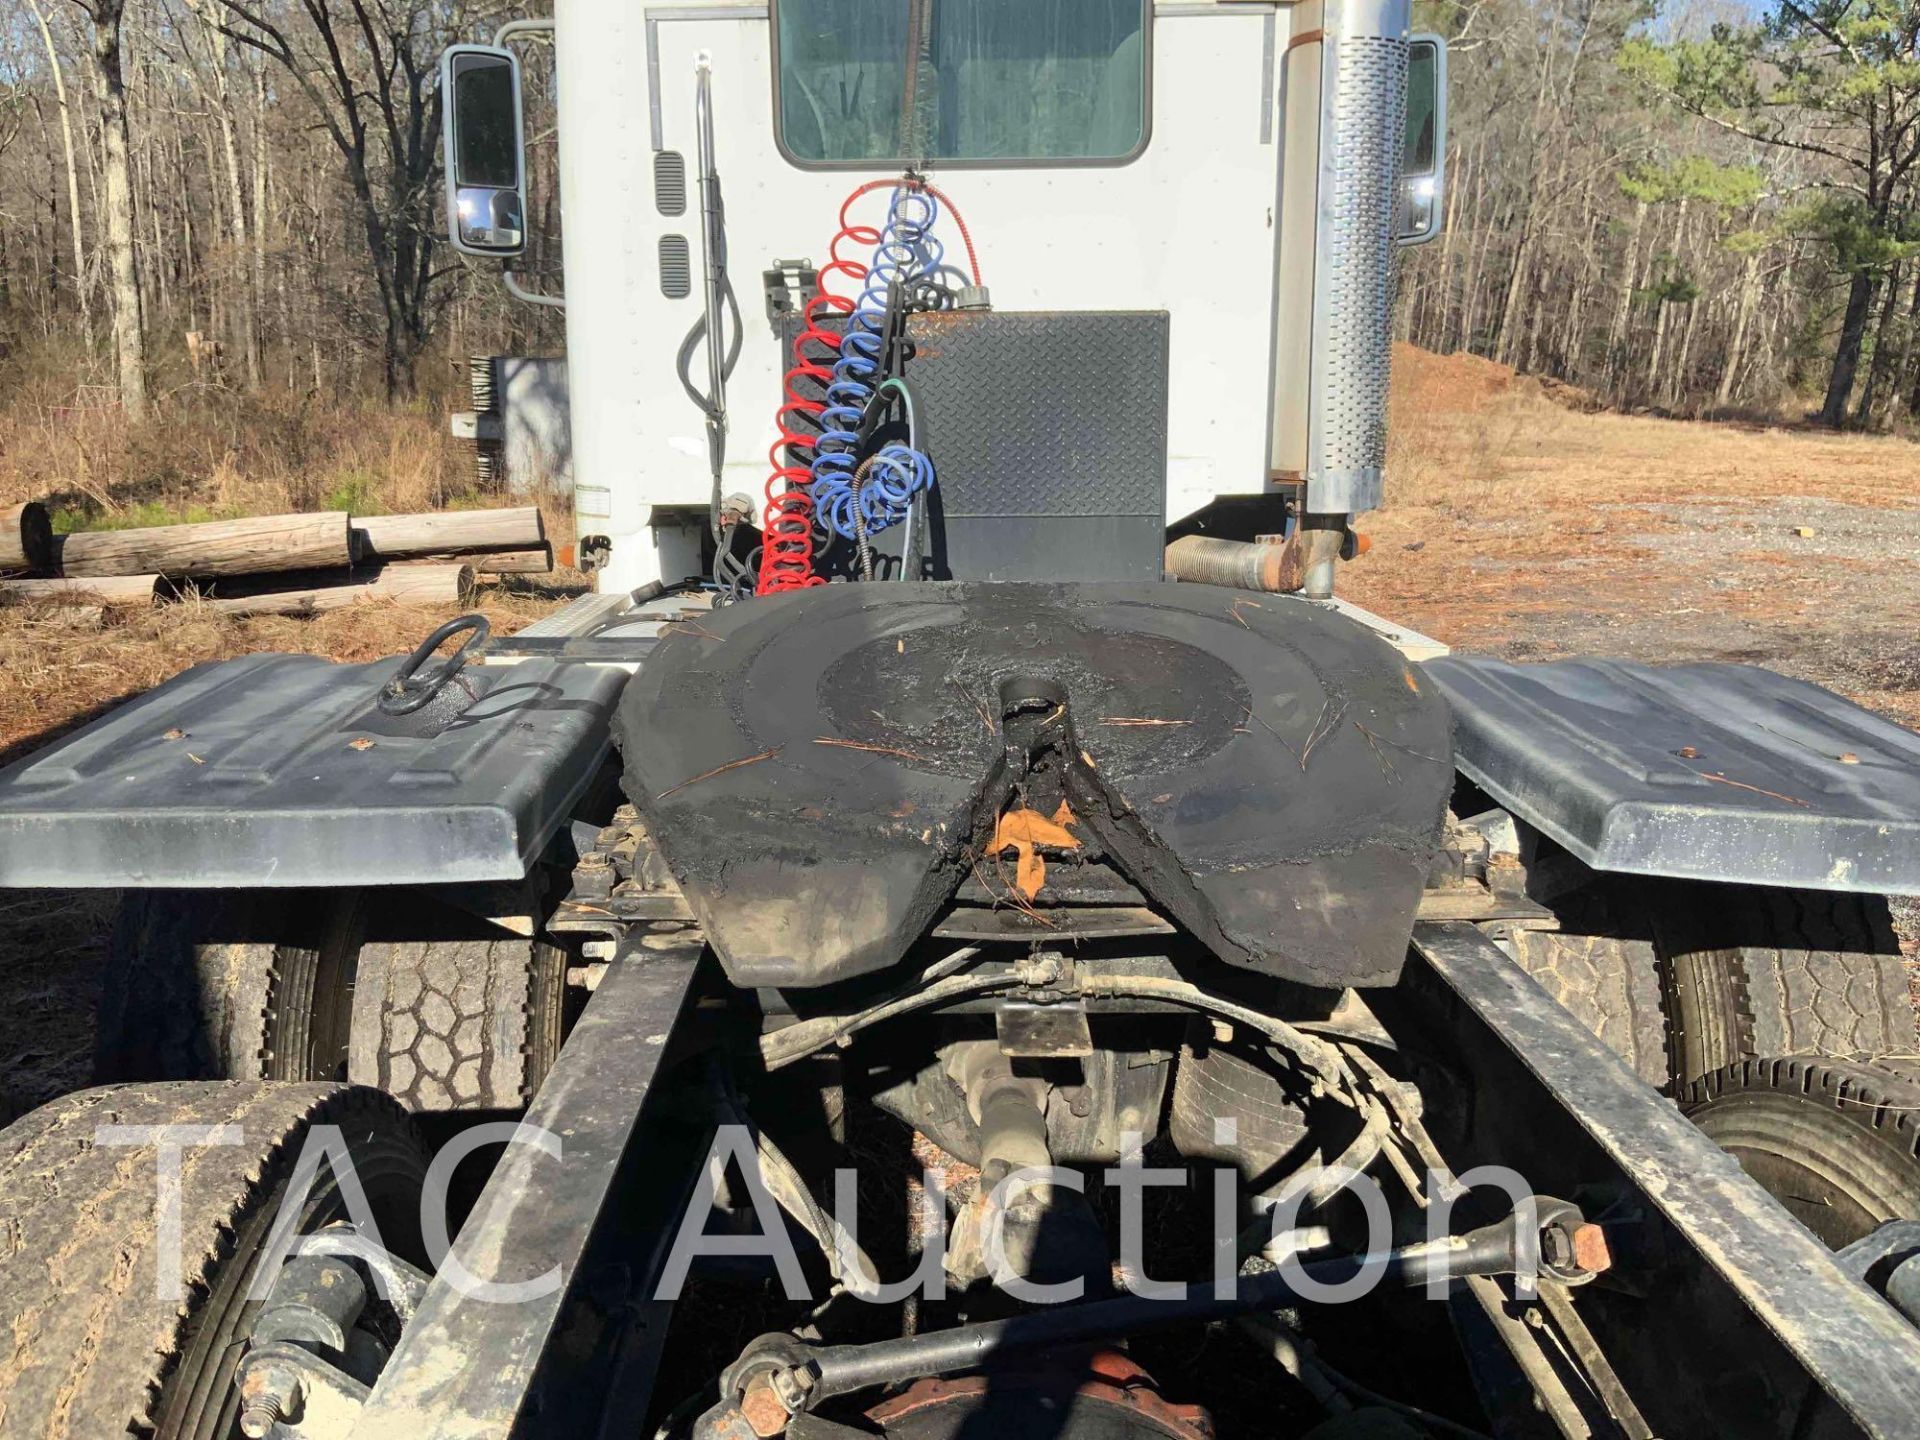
(817, 472)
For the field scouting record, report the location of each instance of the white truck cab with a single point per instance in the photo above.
(1241, 168)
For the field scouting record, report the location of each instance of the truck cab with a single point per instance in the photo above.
(1231, 178)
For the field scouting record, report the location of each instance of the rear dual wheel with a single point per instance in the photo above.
(204, 985)
(96, 1346)
(1780, 1020)
(1685, 979)
(1836, 1143)
(1756, 972)
(1605, 975)
(285, 986)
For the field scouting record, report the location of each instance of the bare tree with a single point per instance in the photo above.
(218, 91)
(80, 286)
(370, 73)
(110, 97)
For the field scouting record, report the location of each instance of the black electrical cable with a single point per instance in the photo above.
(735, 574)
(710, 404)
(862, 546)
(683, 363)
(930, 294)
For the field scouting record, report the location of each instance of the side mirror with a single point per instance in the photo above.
(482, 140)
(1423, 164)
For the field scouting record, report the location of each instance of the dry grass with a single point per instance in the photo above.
(1471, 438)
(255, 458)
(1518, 522)
(211, 453)
(58, 676)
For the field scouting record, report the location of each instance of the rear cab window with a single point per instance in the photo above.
(880, 83)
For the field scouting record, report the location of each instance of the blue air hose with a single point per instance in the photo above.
(908, 252)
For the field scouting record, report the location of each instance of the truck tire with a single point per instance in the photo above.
(1836, 1143)
(1755, 972)
(1213, 1083)
(194, 988)
(1604, 976)
(192, 993)
(457, 1024)
(93, 1349)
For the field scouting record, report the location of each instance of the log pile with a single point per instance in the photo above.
(272, 564)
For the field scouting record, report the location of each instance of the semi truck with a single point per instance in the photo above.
(964, 928)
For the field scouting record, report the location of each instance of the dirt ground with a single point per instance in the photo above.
(1518, 524)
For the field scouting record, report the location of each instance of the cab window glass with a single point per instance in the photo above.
(899, 81)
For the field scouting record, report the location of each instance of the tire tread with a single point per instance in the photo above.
(174, 1006)
(1610, 984)
(1762, 972)
(91, 1343)
(454, 1024)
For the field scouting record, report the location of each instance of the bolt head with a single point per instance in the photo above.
(764, 1413)
(1590, 1250)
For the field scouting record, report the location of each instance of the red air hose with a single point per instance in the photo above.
(914, 182)
(786, 553)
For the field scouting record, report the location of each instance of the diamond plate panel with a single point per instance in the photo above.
(1048, 434)
(1045, 413)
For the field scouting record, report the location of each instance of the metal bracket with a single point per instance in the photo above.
(790, 285)
(592, 552)
(621, 882)
(309, 1361)
(468, 1365)
(1040, 1031)
(530, 297)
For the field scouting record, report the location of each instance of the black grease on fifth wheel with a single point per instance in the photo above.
(822, 769)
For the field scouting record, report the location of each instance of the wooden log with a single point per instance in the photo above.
(101, 590)
(450, 532)
(257, 545)
(498, 562)
(393, 585)
(26, 538)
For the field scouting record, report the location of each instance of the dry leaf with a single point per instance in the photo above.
(1030, 872)
(1022, 831)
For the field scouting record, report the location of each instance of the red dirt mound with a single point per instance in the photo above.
(1425, 383)
(1428, 384)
